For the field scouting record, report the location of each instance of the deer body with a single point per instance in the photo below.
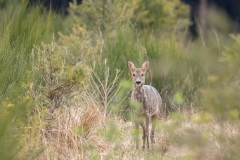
(149, 99)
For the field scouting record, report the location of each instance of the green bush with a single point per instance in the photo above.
(221, 97)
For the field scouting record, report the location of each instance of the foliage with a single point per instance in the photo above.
(67, 96)
(163, 14)
(15, 56)
(21, 28)
(216, 125)
(97, 15)
(221, 98)
(61, 68)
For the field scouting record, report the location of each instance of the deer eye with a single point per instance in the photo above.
(133, 75)
(142, 75)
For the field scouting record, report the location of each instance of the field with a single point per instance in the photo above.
(65, 86)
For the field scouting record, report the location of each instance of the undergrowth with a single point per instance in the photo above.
(65, 95)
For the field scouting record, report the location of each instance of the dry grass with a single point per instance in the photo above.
(81, 131)
(191, 139)
(63, 137)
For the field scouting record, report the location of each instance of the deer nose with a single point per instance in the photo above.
(138, 82)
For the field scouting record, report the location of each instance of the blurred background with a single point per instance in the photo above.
(65, 86)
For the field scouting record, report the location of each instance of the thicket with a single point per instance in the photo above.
(65, 92)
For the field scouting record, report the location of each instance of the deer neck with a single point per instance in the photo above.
(139, 93)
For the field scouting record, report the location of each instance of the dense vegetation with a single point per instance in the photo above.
(65, 84)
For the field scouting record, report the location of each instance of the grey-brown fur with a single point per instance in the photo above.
(149, 99)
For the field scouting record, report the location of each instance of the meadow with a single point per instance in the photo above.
(65, 85)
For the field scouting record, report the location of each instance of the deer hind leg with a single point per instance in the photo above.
(154, 121)
(144, 135)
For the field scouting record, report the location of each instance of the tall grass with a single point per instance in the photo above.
(22, 27)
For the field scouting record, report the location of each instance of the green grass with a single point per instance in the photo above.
(22, 28)
(198, 81)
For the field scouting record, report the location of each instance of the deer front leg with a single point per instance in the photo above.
(147, 130)
(137, 135)
(144, 136)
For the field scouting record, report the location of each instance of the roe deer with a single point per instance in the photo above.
(149, 99)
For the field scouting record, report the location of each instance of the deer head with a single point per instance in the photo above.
(138, 74)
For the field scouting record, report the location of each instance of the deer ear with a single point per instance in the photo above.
(145, 66)
(131, 65)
